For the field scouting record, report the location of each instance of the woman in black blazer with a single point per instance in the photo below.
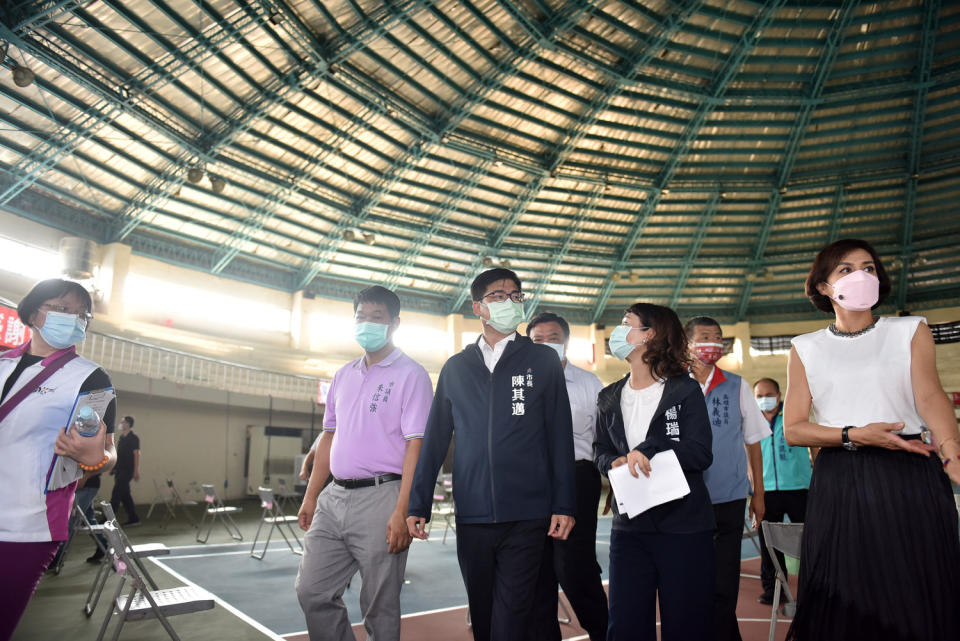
(667, 551)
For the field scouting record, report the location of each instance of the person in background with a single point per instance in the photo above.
(126, 470)
(880, 554)
(573, 563)
(737, 423)
(786, 477)
(372, 429)
(307, 464)
(503, 400)
(41, 380)
(664, 554)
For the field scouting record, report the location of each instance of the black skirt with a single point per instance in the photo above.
(880, 556)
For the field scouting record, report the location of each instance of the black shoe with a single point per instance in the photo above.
(96, 557)
(765, 599)
(132, 523)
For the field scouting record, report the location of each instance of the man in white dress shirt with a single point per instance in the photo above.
(573, 562)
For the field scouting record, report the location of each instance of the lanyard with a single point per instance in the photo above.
(25, 391)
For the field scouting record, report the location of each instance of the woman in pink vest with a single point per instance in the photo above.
(41, 380)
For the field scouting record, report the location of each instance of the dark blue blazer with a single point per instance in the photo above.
(512, 434)
(681, 424)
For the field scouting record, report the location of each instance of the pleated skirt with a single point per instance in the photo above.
(880, 556)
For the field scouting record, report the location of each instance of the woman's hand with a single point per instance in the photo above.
(88, 450)
(636, 460)
(881, 435)
(950, 450)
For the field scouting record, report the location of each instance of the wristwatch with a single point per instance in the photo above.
(848, 445)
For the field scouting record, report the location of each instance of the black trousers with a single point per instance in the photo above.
(674, 569)
(777, 504)
(573, 564)
(726, 545)
(500, 563)
(121, 495)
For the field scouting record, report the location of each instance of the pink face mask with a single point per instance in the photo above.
(708, 353)
(857, 291)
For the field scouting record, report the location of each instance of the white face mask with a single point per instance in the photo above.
(558, 348)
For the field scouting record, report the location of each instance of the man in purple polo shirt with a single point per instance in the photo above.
(376, 411)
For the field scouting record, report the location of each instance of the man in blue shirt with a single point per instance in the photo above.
(786, 477)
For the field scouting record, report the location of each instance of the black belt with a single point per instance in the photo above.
(352, 484)
(583, 462)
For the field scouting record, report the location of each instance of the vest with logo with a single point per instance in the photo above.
(726, 478)
(784, 467)
(27, 437)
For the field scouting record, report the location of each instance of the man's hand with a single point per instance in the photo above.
(757, 509)
(560, 526)
(416, 527)
(398, 536)
(305, 515)
(88, 450)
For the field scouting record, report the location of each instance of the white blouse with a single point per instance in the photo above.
(863, 379)
(638, 407)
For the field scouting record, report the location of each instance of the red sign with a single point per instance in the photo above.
(955, 396)
(12, 331)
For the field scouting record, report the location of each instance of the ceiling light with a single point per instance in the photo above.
(217, 184)
(349, 234)
(486, 261)
(194, 175)
(783, 190)
(615, 278)
(369, 238)
(275, 17)
(497, 162)
(22, 77)
(505, 264)
(665, 191)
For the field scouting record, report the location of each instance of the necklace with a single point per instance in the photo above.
(836, 332)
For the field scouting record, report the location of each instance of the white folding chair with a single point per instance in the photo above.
(135, 552)
(785, 538)
(274, 517)
(284, 493)
(443, 506)
(142, 602)
(217, 510)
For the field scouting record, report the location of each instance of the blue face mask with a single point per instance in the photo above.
(61, 331)
(618, 342)
(371, 336)
(558, 348)
(767, 403)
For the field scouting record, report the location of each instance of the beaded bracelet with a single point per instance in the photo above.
(93, 468)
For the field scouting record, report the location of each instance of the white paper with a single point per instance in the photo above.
(637, 495)
(63, 470)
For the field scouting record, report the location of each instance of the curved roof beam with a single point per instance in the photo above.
(916, 145)
(556, 24)
(746, 43)
(815, 88)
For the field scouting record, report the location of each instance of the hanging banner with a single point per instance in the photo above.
(12, 331)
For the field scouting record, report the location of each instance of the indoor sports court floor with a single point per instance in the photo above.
(256, 599)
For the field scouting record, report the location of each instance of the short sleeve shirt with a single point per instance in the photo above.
(374, 412)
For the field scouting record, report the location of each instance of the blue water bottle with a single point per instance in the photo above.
(87, 422)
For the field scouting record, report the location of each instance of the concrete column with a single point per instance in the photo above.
(598, 340)
(111, 279)
(296, 320)
(454, 333)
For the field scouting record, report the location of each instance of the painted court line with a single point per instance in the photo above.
(226, 606)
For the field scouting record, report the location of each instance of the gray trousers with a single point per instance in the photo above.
(349, 532)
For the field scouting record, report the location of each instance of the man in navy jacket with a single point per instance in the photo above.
(504, 402)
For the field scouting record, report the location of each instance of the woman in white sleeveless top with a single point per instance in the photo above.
(880, 556)
(39, 384)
